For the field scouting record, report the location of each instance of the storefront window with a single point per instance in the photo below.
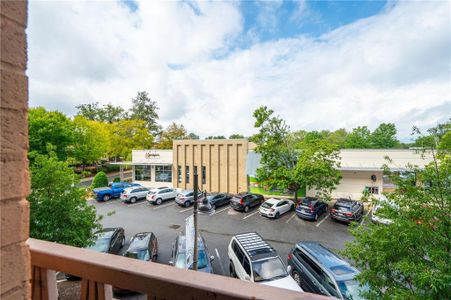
(187, 174)
(179, 174)
(163, 174)
(142, 173)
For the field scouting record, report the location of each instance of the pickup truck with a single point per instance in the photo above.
(106, 193)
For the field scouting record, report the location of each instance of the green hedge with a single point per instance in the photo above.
(100, 180)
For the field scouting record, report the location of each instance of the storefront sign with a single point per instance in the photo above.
(151, 155)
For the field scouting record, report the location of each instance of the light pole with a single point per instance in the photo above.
(195, 255)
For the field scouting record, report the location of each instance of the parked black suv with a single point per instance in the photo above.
(244, 201)
(347, 210)
(318, 270)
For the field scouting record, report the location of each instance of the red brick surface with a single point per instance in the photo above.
(14, 178)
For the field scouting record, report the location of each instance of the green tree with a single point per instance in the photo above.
(172, 132)
(143, 108)
(384, 136)
(215, 137)
(49, 127)
(359, 138)
(192, 136)
(91, 141)
(58, 209)
(107, 113)
(338, 137)
(127, 135)
(409, 259)
(100, 180)
(288, 161)
(236, 136)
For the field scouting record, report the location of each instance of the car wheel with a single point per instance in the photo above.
(277, 215)
(246, 209)
(158, 202)
(186, 204)
(297, 277)
(232, 270)
(133, 200)
(106, 197)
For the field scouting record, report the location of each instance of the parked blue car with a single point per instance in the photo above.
(107, 193)
(311, 208)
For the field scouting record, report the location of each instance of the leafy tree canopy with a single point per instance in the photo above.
(409, 259)
(384, 136)
(143, 108)
(58, 209)
(215, 137)
(49, 127)
(359, 138)
(293, 160)
(91, 140)
(236, 136)
(127, 135)
(172, 132)
(107, 113)
(192, 136)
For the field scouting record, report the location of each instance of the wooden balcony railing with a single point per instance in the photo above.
(100, 271)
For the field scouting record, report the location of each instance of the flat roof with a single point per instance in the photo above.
(130, 163)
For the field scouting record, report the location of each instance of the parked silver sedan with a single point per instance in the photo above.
(132, 194)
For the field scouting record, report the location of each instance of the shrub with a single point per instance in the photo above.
(116, 179)
(100, 180)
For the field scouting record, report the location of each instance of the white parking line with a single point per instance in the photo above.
(220, 211)
(220, 262)
(189, 208)
(135, 204)
(163, 206)
(291, 218)
(320, 222)
(248, 216)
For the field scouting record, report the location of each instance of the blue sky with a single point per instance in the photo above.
(314, 19)
(318, 64)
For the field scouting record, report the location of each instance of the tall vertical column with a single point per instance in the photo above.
(14, 186)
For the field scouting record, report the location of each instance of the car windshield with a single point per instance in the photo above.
(101, 245)
(152, 192)
(211, 197)
(350, 289)
(267, 205)
(139, 254)
(201, 262)
(270, 269)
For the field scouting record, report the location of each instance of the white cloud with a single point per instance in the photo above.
(393, 67)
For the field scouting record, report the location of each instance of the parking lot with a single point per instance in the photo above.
(167, 220)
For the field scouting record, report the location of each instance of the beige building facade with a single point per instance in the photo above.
(220, 164)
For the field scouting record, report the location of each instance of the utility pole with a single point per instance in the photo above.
(195, 255)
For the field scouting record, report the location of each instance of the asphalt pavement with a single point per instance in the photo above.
(167, 220)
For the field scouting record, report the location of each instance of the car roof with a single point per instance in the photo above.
(182, 241)
(106, 232)
(184, 192)
(338, 267)
(345, 202)
(139, 241)
(273, 200)
(311, 199)
(255, 246)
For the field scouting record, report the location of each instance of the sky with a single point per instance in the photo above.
(209, 65)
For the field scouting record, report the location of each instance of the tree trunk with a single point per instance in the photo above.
(296, 197)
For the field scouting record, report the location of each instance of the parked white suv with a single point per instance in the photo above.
(157, 196)
(253, 259)
(274, 208)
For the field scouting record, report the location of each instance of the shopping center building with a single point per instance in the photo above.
(230, 166)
